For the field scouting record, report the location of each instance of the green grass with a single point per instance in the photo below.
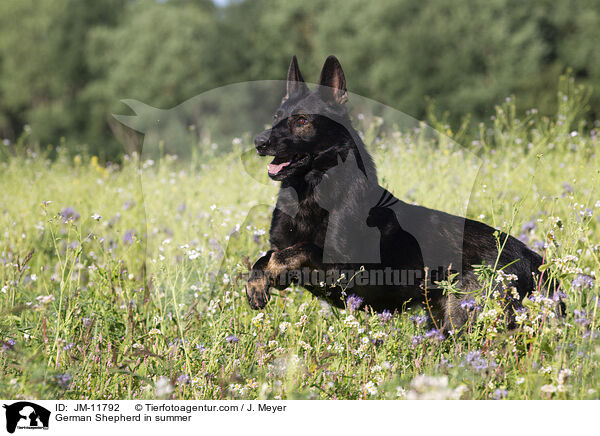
(90, 311)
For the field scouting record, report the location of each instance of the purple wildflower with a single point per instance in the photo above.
(417, 339)
(559, 295)
(539, 246)
(129, 237)
(500, 394)
(377, 342)
(532, 298)
(128, 204)
(183, 379)
(581, 317)
(8, 345)
(476, 361)
(434, 334)
(201, 348)
(569, 189)
(64, 380)
(181, 208)
(232, 339)
(257, 235)
(354, 302)
(419, 319)
(528, 226)
(385, 316)
(69, 213)
(68, 346)
(583, 281)
(469, 304)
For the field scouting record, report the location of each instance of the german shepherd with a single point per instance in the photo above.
(333, 218)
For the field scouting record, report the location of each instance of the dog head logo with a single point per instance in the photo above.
(26, 415)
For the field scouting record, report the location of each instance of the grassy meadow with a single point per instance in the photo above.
(124, 281)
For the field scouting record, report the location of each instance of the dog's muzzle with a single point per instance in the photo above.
(261, 142)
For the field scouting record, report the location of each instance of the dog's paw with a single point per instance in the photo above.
(257, 291)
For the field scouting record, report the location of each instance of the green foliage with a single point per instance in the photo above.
(163, 56)
(64, 65)
(43, 69)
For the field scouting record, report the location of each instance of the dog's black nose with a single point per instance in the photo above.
(261, 142)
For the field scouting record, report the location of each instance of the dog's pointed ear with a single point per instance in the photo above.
(295, 84)
(332, 83)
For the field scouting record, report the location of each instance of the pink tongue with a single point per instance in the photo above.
(275, 168)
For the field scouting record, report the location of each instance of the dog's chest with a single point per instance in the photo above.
(308, 224)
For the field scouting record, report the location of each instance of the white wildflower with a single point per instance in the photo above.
(163, 387)
(563, 375)
(283, 326)
(305, 346)
(351, 321)
(258, 318)
(370, 388)
(302, 321)
(45, 299)
(549, 389)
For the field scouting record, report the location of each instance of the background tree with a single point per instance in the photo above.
(64, 65)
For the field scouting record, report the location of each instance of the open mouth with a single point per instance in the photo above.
(277, 168)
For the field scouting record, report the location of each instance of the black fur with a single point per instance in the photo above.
(312, 131)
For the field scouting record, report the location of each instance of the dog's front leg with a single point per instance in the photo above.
(289, 264)
(257, 287)
(279, 269)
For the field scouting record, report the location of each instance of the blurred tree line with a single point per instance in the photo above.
(65, 64)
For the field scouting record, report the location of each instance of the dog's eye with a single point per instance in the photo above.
(301, 121)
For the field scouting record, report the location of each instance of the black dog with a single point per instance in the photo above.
(333, 220)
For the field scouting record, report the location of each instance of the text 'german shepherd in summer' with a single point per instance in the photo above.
(339, 234)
